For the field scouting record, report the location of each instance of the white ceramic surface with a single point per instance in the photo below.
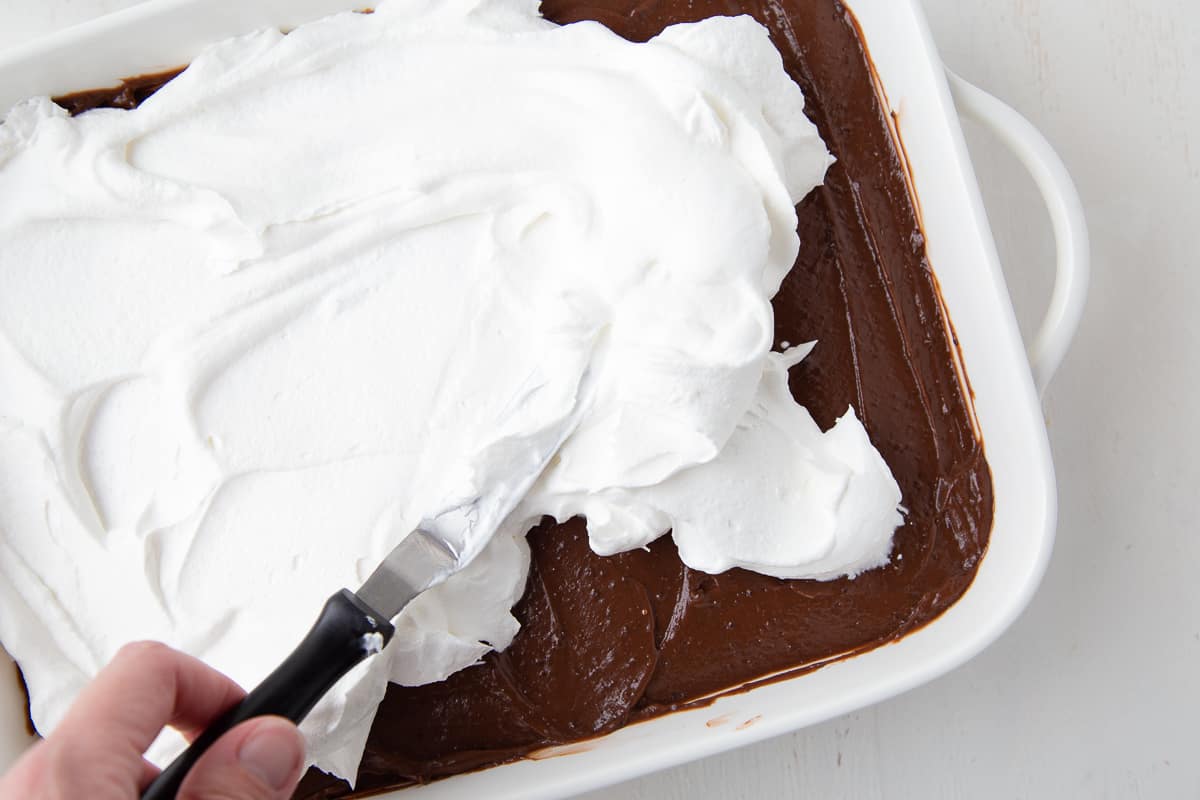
(964, 257)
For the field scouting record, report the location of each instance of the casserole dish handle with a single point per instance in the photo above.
(1066, 214)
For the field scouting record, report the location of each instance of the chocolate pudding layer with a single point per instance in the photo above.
(609, 641)
(128, 94)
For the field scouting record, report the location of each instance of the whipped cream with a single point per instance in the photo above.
(325, 287)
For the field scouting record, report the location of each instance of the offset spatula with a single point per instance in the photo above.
(355, 625)
(351, 627)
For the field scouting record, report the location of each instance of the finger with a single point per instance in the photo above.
(149, 773)
(146, 686)
(26, 778)
(34, 775)
(261, 759)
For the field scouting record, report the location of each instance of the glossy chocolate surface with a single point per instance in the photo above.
(129, 93)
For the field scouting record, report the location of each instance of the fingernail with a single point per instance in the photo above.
(273, 753)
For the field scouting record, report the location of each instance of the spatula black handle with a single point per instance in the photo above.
(346, 633)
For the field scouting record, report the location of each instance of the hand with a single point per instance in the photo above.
(96, 751)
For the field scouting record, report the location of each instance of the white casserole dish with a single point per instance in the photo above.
(170, 32)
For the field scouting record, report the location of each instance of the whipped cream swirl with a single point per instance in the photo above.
(325, 286)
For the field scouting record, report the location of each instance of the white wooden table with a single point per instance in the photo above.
(1095, 692)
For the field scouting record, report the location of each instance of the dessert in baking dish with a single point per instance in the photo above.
(325, 284)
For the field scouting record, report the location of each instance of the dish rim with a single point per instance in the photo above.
(896, 33)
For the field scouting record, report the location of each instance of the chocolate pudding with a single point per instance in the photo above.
(605, 642)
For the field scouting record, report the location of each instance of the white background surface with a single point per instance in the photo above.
(1095, 692)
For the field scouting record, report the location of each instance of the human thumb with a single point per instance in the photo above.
(261, 759)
